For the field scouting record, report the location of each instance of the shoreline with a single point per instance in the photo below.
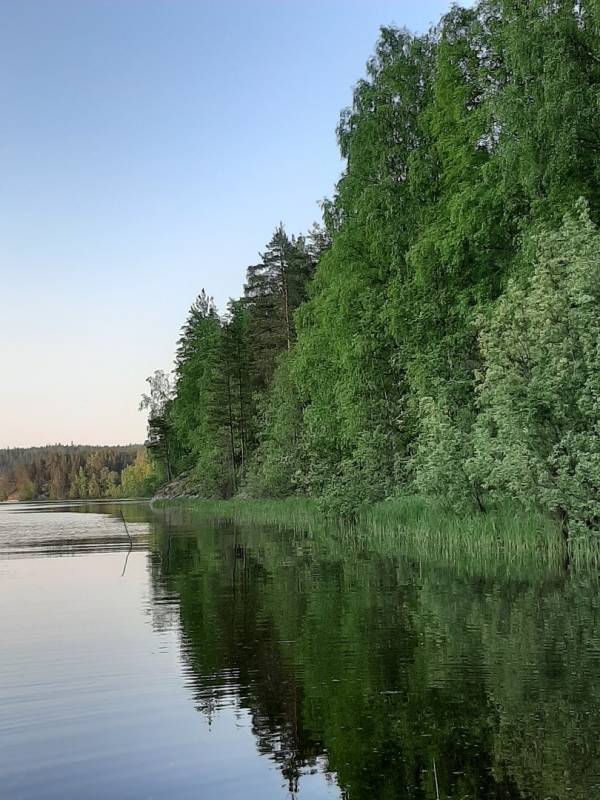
(413, 526)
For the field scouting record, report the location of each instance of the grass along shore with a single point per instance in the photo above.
(415, 526)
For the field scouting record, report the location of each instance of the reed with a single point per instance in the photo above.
(416, 527)
(298, 513)
(427, 527)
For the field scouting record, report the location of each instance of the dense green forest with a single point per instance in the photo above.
(57, 472)
(439, 334)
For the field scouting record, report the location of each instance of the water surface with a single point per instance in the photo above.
(200, 660)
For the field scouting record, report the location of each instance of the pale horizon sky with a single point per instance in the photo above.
(148, 149)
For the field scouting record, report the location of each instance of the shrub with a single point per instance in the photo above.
(537, 436)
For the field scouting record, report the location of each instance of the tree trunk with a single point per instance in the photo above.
(231, 434)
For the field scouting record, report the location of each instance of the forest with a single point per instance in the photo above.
(438, 334)
(58, 472)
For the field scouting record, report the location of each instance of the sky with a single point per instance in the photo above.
(148, 149)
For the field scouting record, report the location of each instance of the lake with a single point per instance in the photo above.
(212, 660)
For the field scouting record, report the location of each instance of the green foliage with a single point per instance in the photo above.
(196, 410)
(538, 433)
(25, 488)
(548, 107)
(274, 289)
(276, 466)
(442, 464)
(385, 354)
(414, 526)
(297, 513)
(457, 252)
(140, 479)
(350, 387)
(240, 379)
(162, 444)
(536, 436)
(208, 422)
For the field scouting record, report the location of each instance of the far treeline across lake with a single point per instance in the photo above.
(439, 335)
(75, 472)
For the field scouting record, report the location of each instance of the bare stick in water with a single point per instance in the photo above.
(126, 528)
(126, 560)
(130, 544)
(437, 788)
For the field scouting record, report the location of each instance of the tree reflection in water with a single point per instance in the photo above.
(369, 667)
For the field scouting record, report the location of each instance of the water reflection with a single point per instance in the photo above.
(374, 667)
(72, 529)
(358, 671)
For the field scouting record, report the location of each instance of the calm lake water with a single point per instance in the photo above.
(220, 661)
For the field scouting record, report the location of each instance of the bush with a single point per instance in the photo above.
(537, 436)
(444, 465)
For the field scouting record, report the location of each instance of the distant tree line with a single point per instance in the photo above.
(59, 472)
(441, 332)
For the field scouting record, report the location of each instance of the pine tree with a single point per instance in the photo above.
(241, 382)
(198, 411)
(274, 289)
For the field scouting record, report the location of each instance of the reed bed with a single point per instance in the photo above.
(418, 528)
(297, 513)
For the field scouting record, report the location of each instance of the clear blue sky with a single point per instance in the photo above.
(148, 148)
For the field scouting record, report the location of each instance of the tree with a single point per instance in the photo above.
(350, 384)
(240, 384)
(200, 410)
(274, 289)
(161, 392)
(140, 479)
(547, 111)
(538, 432)
(161, 444)
(276, 466)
